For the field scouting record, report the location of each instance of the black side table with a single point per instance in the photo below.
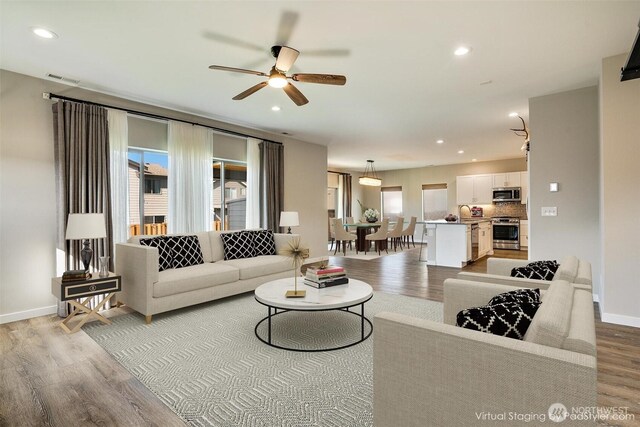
(87, 289)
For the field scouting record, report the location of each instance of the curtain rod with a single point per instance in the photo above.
(339, 173)
(151, 115)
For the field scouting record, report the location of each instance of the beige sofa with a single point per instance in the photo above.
(149, 291)
(437, 374)
(572, 270)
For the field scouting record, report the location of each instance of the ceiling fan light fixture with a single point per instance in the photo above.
(277, 79)
(370, 178)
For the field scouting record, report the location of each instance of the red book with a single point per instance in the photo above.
(327, 270)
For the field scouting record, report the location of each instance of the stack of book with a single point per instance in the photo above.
(325, 277)
(74, 275)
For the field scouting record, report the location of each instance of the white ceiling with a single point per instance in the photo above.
(405, 88)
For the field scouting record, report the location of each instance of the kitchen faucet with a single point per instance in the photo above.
(460, 211)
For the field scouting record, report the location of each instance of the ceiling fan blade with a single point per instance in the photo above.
(237, 70)
(288, 21)
(324, 79)
(327, 52)
(295, 95)
(232, 41)
(250, 91)
(286, 58)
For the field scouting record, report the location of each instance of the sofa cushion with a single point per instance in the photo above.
(551, 323)
(568, 269)
(205, 246)
(217, 248)
(261, 265)
(178, 280)
(582, 333)
(509, 320)
(185, 251)
(518, 296)
(263, 242)
(238, 245)
(165, 258)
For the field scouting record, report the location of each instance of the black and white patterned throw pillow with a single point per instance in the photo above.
(185, 251)
(537, 273)
(238, 245)
(165, 260)
(551, 265)
(263, 242)
(518, 296)
(507, 320)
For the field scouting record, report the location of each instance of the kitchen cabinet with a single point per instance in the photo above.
(485, 239)
(452, 246)
(524, 187)
(524, 234)
(474, 189)
(510, 179)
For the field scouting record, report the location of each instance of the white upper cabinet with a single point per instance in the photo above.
(474, 189)
(524, 187)
(510, 179)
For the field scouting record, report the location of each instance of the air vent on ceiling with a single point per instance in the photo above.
(63, 79)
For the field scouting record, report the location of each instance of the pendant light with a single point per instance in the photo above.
(370, 177)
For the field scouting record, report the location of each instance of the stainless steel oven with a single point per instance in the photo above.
(506, 232)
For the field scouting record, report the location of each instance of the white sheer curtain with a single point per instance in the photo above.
(190, 162)
(118, 168)
(253, 183)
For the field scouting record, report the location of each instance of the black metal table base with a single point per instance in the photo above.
(361, 315)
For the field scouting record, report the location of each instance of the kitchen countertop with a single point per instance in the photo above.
(463, 221)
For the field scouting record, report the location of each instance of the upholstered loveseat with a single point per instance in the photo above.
(151, 288)
(571, 269)
(428, 373)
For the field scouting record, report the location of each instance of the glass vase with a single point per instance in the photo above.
(104, 266)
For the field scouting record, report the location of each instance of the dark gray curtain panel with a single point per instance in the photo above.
(81, 141)
(271, 184)
(346, 194)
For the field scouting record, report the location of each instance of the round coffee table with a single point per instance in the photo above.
(341, 297)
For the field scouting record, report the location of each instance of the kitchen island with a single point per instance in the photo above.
(454, 244)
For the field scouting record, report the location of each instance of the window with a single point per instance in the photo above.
(148, 196)
(229, 195)
(391, 202)
(434, 201)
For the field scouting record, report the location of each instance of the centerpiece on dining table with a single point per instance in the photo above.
(371, 215)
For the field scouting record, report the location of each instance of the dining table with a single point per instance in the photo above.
(362, 229)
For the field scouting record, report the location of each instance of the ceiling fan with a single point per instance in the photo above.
(277, 77)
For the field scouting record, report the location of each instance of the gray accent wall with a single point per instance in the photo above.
(28, 254)
(620, 198)
(565, 149)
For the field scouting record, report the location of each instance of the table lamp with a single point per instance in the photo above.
(85, 227)
(289, 219)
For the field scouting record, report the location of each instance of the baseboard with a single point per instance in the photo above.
(28, 314)
(620, 319)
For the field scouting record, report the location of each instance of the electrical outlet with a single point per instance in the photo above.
(549, 211)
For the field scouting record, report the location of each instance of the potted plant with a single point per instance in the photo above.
(371, 215)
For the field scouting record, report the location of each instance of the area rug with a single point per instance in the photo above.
(370, 255)
(207, 365)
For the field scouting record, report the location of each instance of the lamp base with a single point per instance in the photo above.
(86, 254)
(295, 294)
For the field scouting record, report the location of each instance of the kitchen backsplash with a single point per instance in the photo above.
(501, 209)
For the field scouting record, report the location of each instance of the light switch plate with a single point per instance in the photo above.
(553, 186)
(549, 211)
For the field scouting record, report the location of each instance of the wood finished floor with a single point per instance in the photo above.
(49, 378)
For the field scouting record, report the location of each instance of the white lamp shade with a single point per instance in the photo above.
(86, 226)
(289, 219)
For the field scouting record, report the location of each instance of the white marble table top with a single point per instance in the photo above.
(272, 294)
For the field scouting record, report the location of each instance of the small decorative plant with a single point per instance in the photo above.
(298, 254)
(371, 215)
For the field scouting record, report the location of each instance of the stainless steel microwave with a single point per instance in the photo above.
(506, 194)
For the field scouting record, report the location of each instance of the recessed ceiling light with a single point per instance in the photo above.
(513, 114)
(275, 108)
(460, 151)
(440, 141)
(474, 160)
(44, 33)
(462, 50)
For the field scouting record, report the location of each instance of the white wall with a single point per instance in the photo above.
(27, 188)
(565, 149)
(620, 200)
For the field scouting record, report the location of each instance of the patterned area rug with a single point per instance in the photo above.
(207, 365)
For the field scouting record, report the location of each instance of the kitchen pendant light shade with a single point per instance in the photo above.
(370, 178)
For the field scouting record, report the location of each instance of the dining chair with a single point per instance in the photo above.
(380, 237)
(409, 231)
(348, 220)
(332, 233)
(342, 236)
(395, 235)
